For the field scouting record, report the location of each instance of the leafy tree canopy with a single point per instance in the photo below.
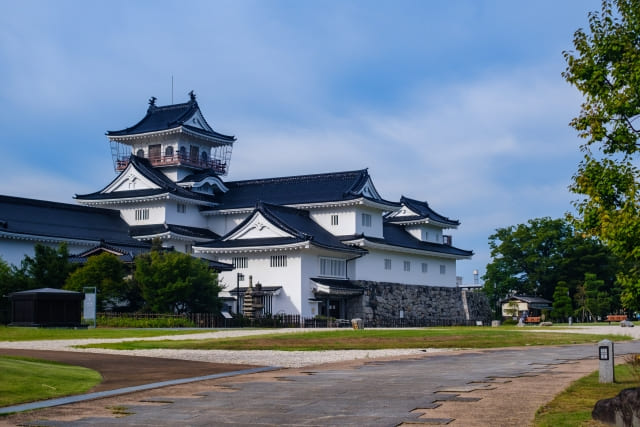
(531, 258)
(173, 282)
(106, 272)
(48, 268)
(605, 67)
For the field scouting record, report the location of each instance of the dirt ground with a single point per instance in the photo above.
(126, 371)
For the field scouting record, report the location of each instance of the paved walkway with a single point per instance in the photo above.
(378, 393)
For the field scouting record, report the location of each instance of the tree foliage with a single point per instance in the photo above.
(106, 272)
(531, 258)
(562, 307)
(605, 67)
(173, 282)
(48, 268)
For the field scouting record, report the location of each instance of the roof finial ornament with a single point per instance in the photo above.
(192, 95)
(152, 101)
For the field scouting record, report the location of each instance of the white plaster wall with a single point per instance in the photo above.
(13, 250)
(434, 233)
(376, 222)
(346, 220)
(222, 224)
(371, 267)
(289, 300)
(156, 212)
(191, 218)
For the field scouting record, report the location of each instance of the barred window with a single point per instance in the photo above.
(333, 267)
(443, 269)
(240, 262)
(334, 219)
(366, 220)
(425, 267)
(387, 264)
(182, 208)
(142, 214)
(278, 260)
(407, 266)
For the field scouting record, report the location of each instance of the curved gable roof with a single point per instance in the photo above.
(171, 117)
(423, 212)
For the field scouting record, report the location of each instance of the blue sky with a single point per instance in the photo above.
(459, 103)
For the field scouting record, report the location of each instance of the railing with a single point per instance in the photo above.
(217, 165)
(210, 320)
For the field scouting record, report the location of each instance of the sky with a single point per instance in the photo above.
(460, 103)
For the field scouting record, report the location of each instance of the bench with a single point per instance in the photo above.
(532, 319)
(616, 318)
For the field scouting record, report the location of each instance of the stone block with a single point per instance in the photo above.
(622, 410)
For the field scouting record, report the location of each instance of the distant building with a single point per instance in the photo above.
(316, 244)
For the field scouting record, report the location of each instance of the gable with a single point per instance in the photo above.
(258, 227)
(403, 211)
(197, 121)
(369, 190)
(130, 179)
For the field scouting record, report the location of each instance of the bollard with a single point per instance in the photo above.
(605, 355)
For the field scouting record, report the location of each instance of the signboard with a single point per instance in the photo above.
(90, 304)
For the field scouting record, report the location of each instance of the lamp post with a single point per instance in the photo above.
(238, 278)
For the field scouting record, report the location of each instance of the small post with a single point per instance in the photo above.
(605, 355)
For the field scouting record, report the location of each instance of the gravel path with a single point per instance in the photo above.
(289, 359)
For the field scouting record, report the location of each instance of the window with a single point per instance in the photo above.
(193, 153)
(407, 266)
(366, 220)
(443, 269)
(425, 235)
(239, 262)
(168, 151)
(182, 208)
(188, 249)
(387, 264)
(183, 153)
(334, 219)
(425, 267)
(278, 260)
(333, 267)
(204, 157)
(140, 153)
(142, 214)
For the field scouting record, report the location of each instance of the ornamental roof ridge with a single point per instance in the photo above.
(355, 173)
(423, 210)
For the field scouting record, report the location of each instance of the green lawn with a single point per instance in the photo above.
(28, 380)
(13, 333)
(371, 339)
(573, 406)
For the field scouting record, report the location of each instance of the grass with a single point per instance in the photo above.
(573, 406)
(371, 339)
(28, 380)
(13, 333)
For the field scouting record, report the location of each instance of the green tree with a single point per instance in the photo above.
(48, 268)
(106, 272)
(562, 307)
(605, 67)
(532, 258)
(173, 282)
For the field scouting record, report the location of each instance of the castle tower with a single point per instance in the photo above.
(175, 138)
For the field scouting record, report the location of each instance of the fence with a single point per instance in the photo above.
(210, 320)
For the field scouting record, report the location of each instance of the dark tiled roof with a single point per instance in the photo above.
(169, 117)
(396, 235)
(299, 189)
(338, 287)
(424, 212)
(528, 299)
(167, 186)
(293, 221)
(196, 177)
(149, 230)
(63, 221)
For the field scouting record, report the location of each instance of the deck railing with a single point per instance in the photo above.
(217, 165)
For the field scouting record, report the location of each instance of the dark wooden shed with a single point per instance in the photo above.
(46, 307)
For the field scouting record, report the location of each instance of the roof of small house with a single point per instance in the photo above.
(295, 222)
(167, 186)
(44, 219)
(528, 299)
(300, 189)
(423, 211)
(162, 118)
